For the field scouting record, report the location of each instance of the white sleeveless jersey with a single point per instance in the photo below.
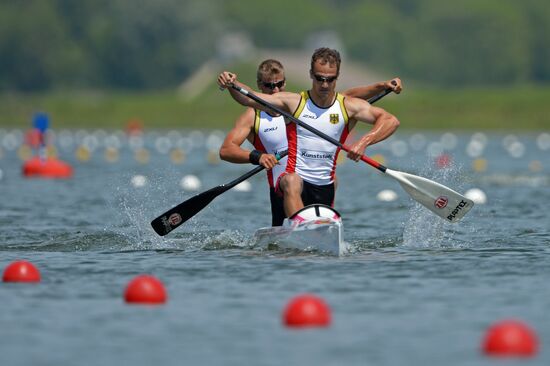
(270, 137)
(310, 156)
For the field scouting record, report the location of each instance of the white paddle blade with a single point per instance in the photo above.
(441, 200)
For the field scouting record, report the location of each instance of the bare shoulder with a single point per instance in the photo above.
(290, 100)
(243, 128)
(355, 104)
(287, 96)
(247, 117)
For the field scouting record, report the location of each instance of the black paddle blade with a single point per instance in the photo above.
(176, 216)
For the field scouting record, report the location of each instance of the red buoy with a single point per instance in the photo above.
(34, 137)
(443, 161)
(145, 289)
(510, 338)
(21, 271)
(47, 168)
(307, 311)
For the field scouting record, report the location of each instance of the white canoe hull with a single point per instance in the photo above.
(322, 231)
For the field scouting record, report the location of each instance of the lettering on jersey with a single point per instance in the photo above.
(334, 118)
(316, 155)
(309, 116)
(269, 129)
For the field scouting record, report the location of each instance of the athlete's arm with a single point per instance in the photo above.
(231, 149)
(283, 100)
(369, 91)
(384, 125)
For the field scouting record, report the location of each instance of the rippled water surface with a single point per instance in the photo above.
(414, 291)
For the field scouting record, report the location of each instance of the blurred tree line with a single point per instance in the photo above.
(143, 44)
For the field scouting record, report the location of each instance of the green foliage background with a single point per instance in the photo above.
(142, 44)
(466, 63)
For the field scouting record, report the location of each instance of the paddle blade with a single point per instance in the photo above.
(176, 216)
(441, 200)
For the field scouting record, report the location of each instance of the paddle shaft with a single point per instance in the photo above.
(251, 173)
(441, 200)
(258, 169)
(344, 147)
(179, 214)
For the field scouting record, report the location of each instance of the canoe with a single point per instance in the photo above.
(317, 228)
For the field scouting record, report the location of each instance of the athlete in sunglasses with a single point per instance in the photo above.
(267, 132)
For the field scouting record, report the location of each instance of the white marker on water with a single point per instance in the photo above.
(138, 181)
(243, 187)
(386, 195)
(190, 183)
(477, 195)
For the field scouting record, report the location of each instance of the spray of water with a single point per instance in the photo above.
(423, 229)
(137, 206)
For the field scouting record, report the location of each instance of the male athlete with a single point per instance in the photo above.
(309, 174)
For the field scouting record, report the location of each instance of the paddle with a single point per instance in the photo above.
(441, 200)
(179, 214)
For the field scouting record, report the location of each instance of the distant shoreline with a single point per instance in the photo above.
(519, 108)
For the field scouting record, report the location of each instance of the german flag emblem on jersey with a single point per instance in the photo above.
(334, 118)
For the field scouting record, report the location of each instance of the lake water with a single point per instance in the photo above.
(414, 291)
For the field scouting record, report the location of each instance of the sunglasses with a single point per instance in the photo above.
(278, 84)
(322, 79)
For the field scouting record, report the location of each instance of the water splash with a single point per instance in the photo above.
(361, 245)
(136, 207)
(425, 230)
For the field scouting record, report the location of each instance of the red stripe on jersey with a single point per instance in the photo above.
(258, 145)
(292, 138)
(343, 138)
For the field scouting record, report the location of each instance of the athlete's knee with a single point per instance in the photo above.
(291, 184)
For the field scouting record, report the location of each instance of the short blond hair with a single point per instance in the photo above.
(269, 67)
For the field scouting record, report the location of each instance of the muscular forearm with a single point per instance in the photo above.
(243, 99)
(365, 92)
(369, 91)
(383, 127)
(234, 154)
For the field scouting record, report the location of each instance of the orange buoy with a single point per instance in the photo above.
(21, 271)
(145, 289)
(46, 168)
(307, 311)
(134, 127)
(510, 338)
